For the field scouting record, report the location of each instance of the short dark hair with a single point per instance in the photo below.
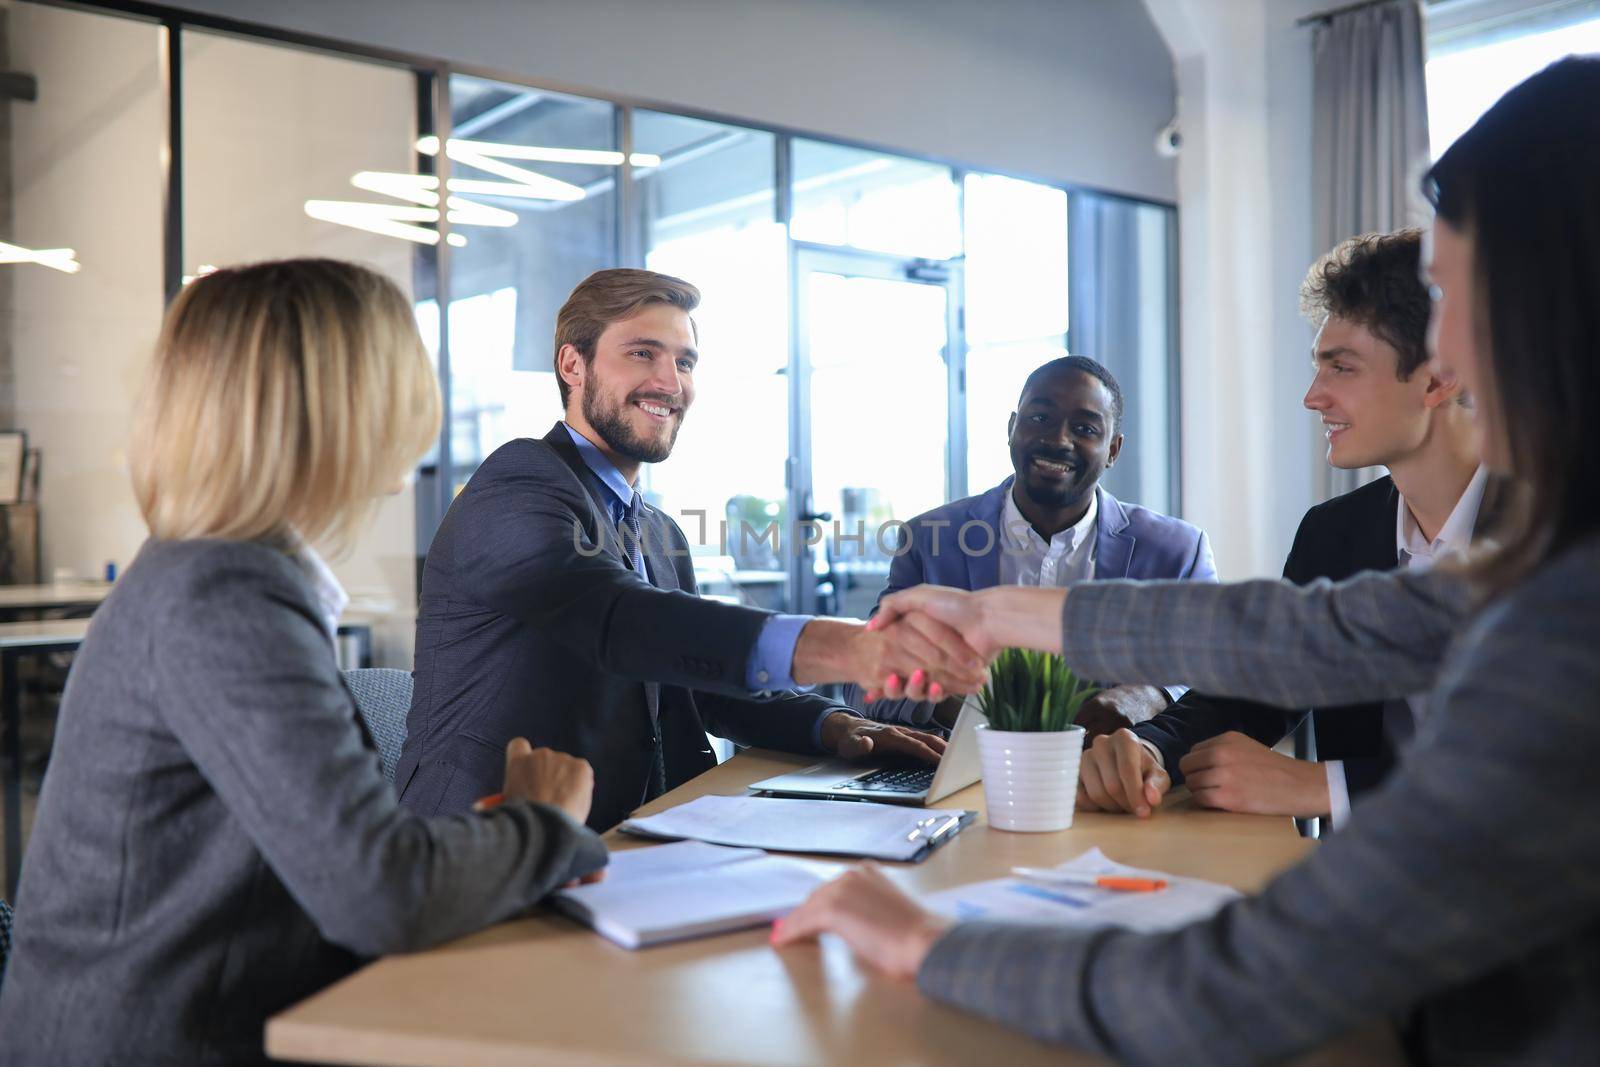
(608, 296)
(1375, 280)
(1085, 365)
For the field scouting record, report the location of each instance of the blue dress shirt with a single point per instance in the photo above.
(773, 656)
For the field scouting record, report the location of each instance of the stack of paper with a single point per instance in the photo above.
(690, 889)
(1038, 900)
(829, 827)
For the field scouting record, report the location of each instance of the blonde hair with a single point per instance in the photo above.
(608, 296)
(284, 396)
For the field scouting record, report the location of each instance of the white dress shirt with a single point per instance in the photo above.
(1415, 553)
(1028, 559)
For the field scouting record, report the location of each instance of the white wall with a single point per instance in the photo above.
(1244, 192)
(268, 128)
(86, 176)
(1299, 449)
(1069, 90)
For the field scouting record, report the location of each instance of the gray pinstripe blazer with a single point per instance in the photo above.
(215, 839)
(1464, 898)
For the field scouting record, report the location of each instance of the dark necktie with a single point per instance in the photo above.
(629, 530)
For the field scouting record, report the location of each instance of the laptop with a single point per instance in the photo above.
(839, 779)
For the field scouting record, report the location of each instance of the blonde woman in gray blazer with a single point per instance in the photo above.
(215, 839)
(1463, 900)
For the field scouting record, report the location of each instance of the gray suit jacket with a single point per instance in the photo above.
(533, 624)
(215, 839)
(1464, 897)
(1130, 542)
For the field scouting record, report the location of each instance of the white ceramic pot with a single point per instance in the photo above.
(1030, 780)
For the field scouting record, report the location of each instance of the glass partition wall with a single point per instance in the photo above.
(866, 323)
(289, 152)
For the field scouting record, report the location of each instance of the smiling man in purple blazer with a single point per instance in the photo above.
(1051, 524)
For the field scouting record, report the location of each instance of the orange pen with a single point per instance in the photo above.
(1120, 883)
(488, 803)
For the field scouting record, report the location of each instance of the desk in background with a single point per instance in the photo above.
(544, 990)
(17, 600)
(22, 640)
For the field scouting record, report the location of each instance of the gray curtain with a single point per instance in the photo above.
(1369, 137)
(1122, 262)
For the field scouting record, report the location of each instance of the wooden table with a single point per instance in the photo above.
(544, 990)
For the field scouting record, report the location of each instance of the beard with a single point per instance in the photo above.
(1053, 496)
(610, 421)
(1059, 495)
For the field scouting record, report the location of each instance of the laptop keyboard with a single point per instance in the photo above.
(895, 780)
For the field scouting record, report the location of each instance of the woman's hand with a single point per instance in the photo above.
(546, 776)
(842, 650)
(876, 919)
(987, 621)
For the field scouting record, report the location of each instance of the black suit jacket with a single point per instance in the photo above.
(532, 624)
(1336, 539)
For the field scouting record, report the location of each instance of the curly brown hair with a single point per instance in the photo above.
(1374, 279)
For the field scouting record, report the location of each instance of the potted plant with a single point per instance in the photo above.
(1030, 747)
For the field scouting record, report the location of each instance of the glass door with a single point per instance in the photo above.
(876, 432)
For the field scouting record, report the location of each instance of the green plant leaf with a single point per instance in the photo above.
(1032, 692)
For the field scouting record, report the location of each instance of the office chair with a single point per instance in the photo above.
(383, 697)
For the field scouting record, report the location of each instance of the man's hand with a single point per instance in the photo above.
(1237, 773)
(546, 776)
(879, 922)
(1119, 707)
(959, 609)
(988, 621)
(856, 738)
(919, 647)
(1120, 774)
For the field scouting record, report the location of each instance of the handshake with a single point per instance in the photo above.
(924, 643)
(930, 641)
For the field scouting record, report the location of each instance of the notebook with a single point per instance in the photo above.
(875, 831)
(689, 889)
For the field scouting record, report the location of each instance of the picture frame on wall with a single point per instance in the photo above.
(13, 449)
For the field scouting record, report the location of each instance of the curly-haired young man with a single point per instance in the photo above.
(1381, 405)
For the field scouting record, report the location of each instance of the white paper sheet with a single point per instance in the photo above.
(1018, 900)
(832, 827)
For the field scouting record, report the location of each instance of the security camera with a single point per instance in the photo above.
(1169, 139)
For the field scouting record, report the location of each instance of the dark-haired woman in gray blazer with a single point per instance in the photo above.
(1464, 898)
(215, 839)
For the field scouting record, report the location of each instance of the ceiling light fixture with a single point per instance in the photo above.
(421, 191)
(389, 220)
(417, 188)
(64, 260)
(429, 146)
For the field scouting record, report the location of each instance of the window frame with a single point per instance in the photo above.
(432, 263)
